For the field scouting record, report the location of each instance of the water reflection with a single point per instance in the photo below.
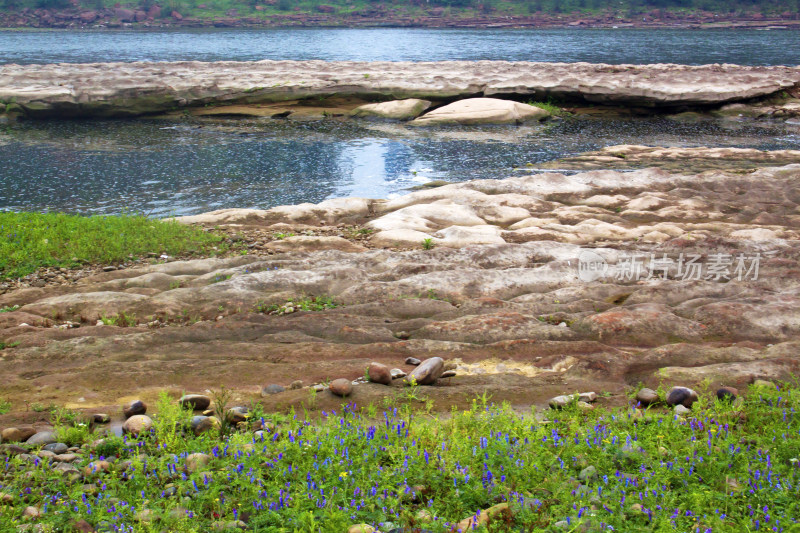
(184, 167)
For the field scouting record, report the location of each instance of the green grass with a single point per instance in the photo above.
(726, 468)
(5, 406)
(550, 107)
(29, 241)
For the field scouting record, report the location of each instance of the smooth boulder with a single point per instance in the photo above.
(379, 373)
(427, 372)
(42, 438)
(136, 407)
(197, 402)
(341, 387)
(137, 424)
(681, 396)
(482, 111)
(407, 109)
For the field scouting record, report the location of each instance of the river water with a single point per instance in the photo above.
(185, 166)
(690, 47)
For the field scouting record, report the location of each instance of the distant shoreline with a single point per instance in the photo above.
(128, 19)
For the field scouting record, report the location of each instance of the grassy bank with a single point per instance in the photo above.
(29, 241)
(723, 468)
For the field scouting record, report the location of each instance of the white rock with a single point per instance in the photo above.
(482, 111)
(396, 109)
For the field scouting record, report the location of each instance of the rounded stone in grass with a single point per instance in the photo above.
(197, 461)
(17, 434)
(136, 407)
(680, 410)
(57, 448)
(341, 387)
(647, 397)
(196, 402)
(137, 424)
(727, 394)
(681, 396)
(413, 361)
(201, 424)
(272, 389)
(379, 373)
(42, 438)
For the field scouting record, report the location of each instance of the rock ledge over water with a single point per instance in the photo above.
(131, 89)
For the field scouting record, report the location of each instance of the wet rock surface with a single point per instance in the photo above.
(597, 281)
(130, 89)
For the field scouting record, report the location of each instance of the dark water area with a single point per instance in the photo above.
(177, 167)
(615, 46)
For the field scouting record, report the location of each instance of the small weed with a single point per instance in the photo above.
(122, 320)
(548, 106)
(9, 308)
(221, 399)
(5, 406)
(428, 244)
(4, 345)
(313, 303)
(281, 236)
(37, 407)
(221, 277)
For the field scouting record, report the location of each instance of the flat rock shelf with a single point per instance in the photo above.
(132, 89)
(527, 287)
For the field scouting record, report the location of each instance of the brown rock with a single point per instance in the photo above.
(727, 394)
(681, 396)
(31, 512)
(379, 373)
(647, 397)
(125, 15)
(17, 434)
(341, 387)
(197, 461)
(87, 17)
(154, 12)
(136, 407)
(427, 372)
(137, 424)
(176, 15)
(83, 526)
(196, 402)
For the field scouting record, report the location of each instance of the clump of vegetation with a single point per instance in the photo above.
(5, 406)
(122, 320)
(724, 467)
(308, 303)
(550, 107)
(428, 244)
(9, 308)
(29, 241)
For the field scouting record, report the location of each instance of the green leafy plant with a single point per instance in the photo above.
(5, 406)
(428, 244)
(9, 308)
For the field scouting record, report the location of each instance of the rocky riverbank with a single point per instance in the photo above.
(263, 15)
(132, 89)
(528, 287)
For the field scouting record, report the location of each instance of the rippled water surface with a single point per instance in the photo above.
(692, 47)
(184, 167)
